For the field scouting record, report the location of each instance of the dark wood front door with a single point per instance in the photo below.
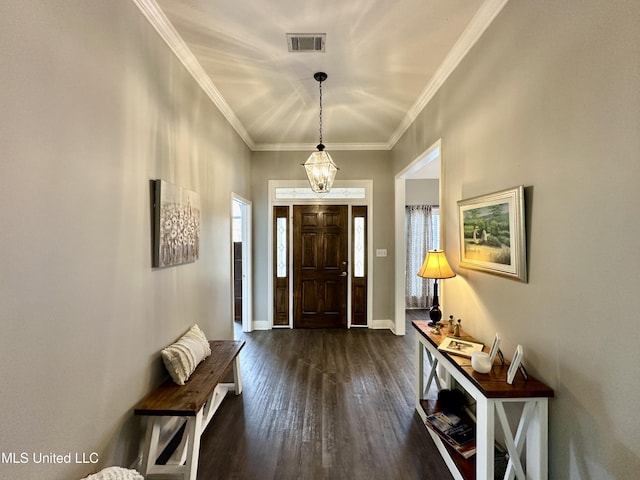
(320, 266)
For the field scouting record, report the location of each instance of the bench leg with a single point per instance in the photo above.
(179, 456)
(193, 430)
(237, 378)
(150, 450)
(183, 464)
(214, 402)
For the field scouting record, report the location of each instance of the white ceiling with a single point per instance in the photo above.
(384, 59)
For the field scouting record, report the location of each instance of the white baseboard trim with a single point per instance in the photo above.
(383, 325)
(262, 325)
(137, 464)
(375, 325)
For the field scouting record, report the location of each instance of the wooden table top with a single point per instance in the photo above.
(493, 384)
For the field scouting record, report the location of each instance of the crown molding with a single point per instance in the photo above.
(330, 147)
(478, 24)
(161, 23)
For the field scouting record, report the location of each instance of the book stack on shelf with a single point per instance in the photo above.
(457, 431)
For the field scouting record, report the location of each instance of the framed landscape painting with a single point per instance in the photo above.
(492, 233)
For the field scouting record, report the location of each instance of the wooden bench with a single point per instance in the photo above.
(196, 402)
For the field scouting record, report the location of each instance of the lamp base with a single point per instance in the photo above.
(434, 312)
(435, 315)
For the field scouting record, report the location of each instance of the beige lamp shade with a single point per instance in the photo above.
(436, 266)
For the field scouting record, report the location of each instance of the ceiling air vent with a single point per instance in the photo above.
(306, 42)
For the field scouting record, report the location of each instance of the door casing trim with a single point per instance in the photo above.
(368, 201)
(247, 272)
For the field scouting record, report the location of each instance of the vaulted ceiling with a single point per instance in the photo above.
(384, 59)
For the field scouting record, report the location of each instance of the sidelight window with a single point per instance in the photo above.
(359, 261)
(359, 251)
(281, 247)
(281, 265)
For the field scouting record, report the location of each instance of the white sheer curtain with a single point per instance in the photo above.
(423, 233)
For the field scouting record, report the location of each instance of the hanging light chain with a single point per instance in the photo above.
(320, 82)
(320, 169)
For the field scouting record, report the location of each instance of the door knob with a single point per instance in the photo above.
(343, 274)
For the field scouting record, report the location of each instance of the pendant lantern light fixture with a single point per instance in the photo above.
(321, 171)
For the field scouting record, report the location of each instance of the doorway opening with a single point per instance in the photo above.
(427, 165)
(241, 262)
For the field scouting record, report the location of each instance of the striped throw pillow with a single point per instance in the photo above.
(182, 357)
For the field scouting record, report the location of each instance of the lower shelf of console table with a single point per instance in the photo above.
(527, 446)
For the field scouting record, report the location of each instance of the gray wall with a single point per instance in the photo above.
(94, 105)
(550, 98)
(425, 191)
(376, 166)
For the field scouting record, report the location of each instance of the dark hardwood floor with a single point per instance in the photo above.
(322, 404)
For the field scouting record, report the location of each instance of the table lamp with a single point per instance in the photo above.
(435, 266)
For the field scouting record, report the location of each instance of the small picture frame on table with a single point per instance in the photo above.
(459, 346)
(516, 364)
(495, 350)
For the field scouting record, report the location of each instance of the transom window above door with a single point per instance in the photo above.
(297, 193)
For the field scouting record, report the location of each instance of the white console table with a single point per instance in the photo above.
(491, 393)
